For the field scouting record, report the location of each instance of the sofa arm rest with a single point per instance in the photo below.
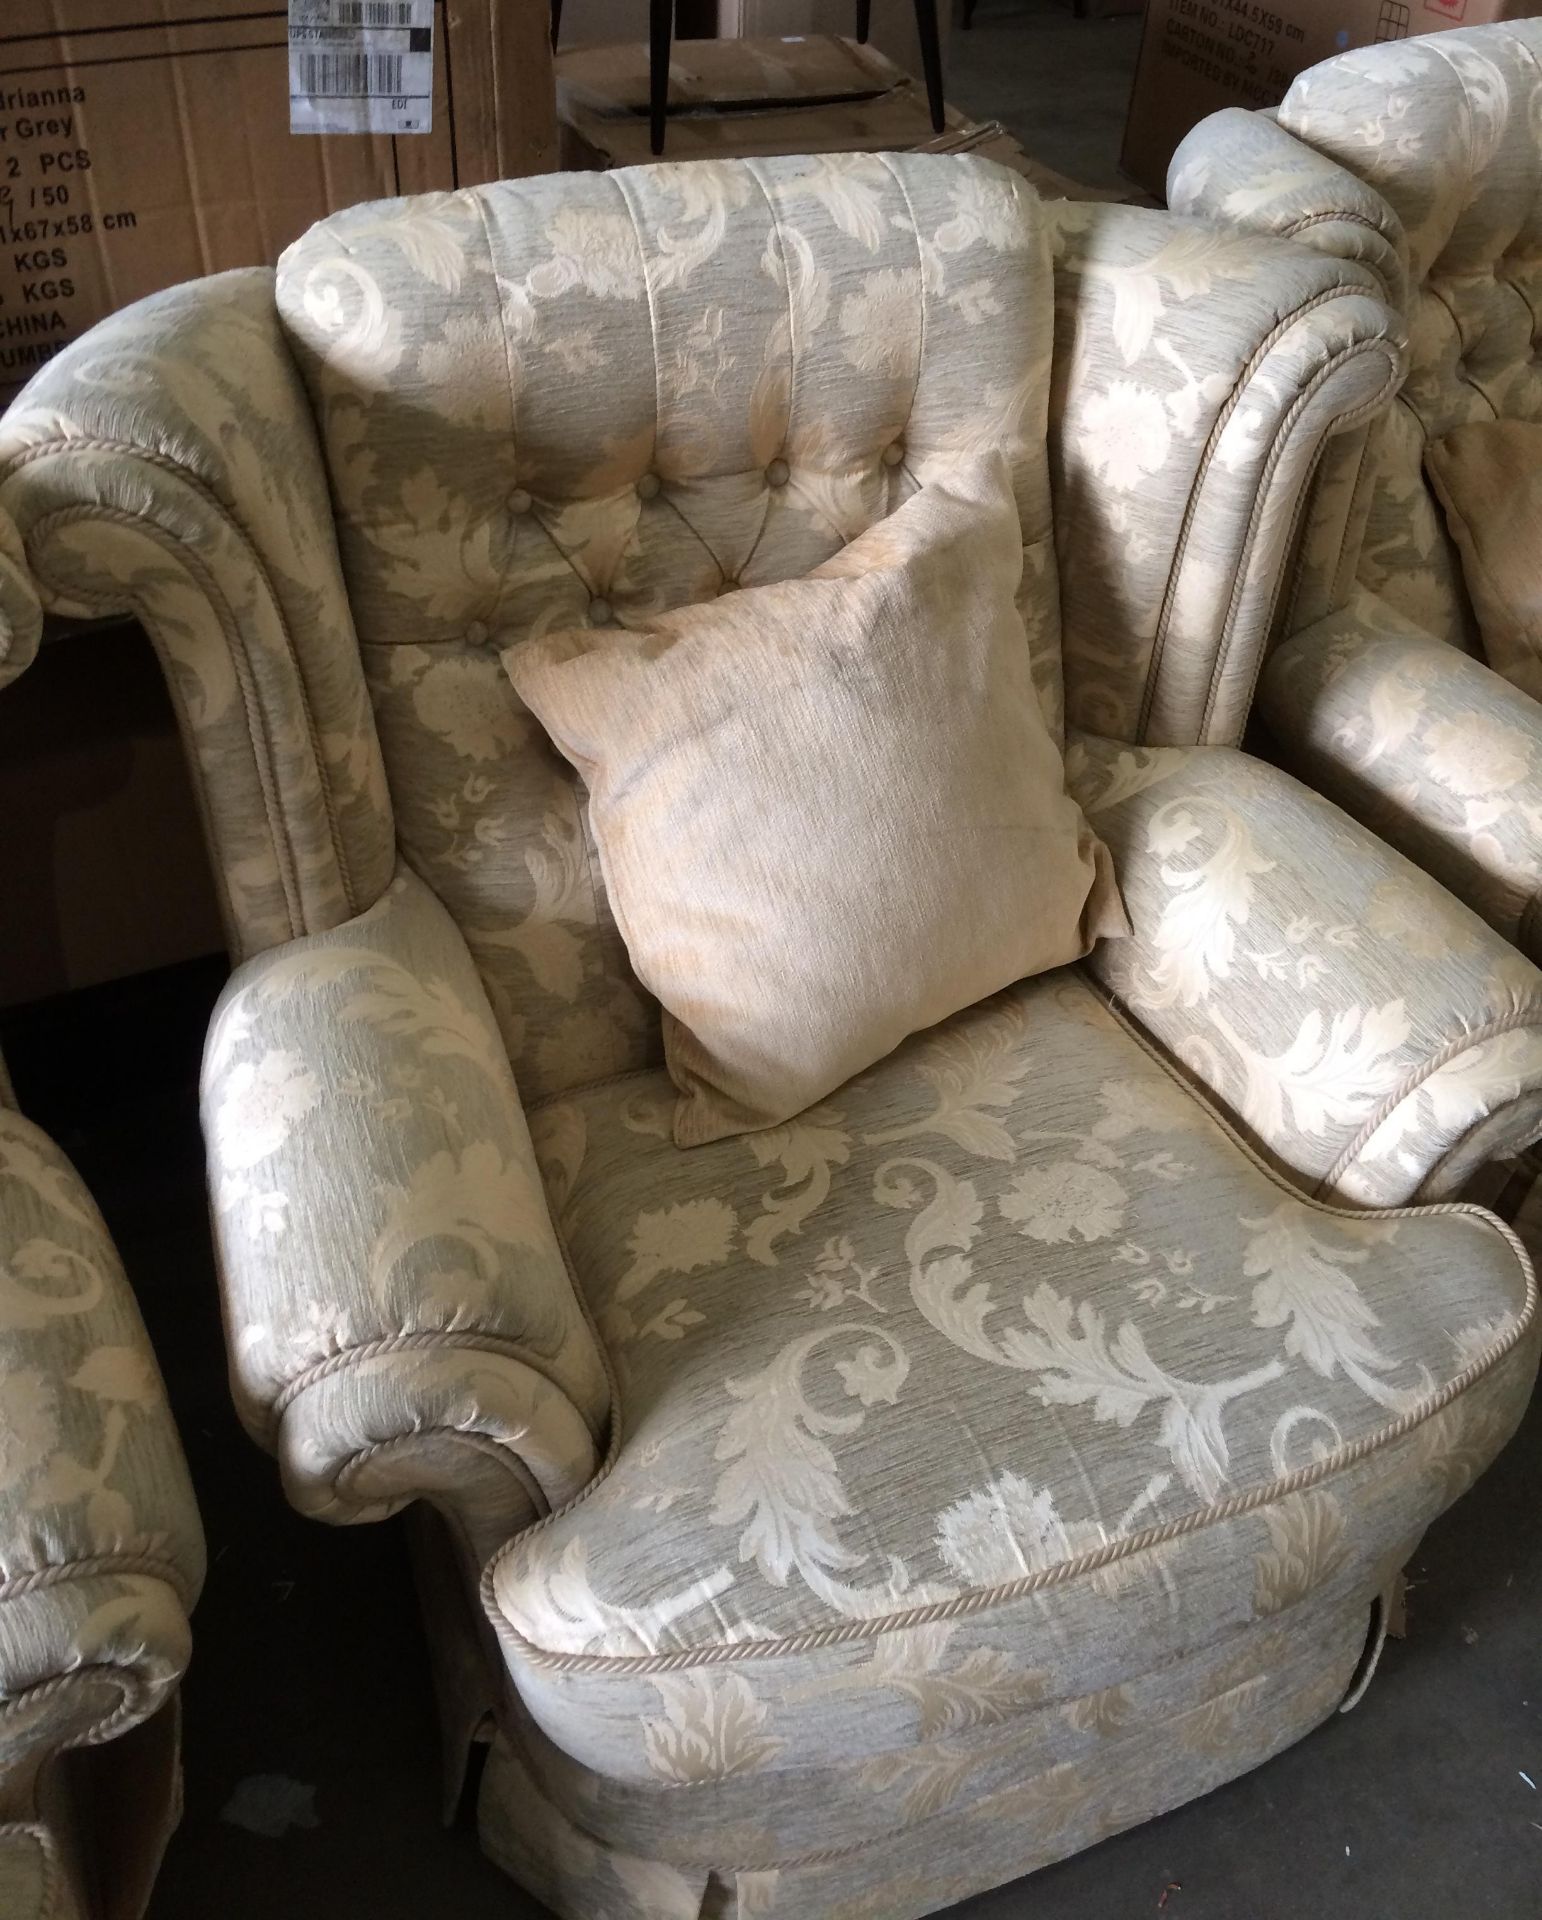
(101, 1551)
(1427, 746)
(401, 1318)
(166, 465)
(21, 617)
(1185, 433)
(1243, 170)
(1374, 1037)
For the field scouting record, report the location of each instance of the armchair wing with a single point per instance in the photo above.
(399, 1311)
(1240, 169)
(1182, 450)
(1374, 1036)
(101, 1551)
(166, 466)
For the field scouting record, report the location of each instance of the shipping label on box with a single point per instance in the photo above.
(361, 66)
(138, 153)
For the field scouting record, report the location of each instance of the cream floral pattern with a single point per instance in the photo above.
(101, 1552)
(814, 1570)
(882, 1505)
(1333, 1043)
(1419, 159)
(1436, 753)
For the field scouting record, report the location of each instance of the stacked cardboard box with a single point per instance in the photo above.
(816, 93)
(1197, 56)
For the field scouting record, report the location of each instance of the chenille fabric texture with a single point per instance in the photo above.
(1488, 478)
(829, 811)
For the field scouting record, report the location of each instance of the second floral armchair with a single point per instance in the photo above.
(1421, 161)
(849, 1516)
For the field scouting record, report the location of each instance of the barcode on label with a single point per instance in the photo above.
(361, 66)
(371, 13)
(322, 74)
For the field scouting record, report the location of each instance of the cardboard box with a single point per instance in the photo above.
(103, 869)
(728, 98)
(136, 152)
(892, 30)
(1197, 56)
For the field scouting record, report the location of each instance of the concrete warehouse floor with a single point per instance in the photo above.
(308, 1711)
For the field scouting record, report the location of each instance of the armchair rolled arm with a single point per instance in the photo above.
(21, 617)
(1183, 442)
(101, 1551)
(1241, 169)
(1372, 1035)
(1427, 746)
(401, 1318)
(166, 465)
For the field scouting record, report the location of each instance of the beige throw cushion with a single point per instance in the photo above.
(828, 811)
(1488, 478)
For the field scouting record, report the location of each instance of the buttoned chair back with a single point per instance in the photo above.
(592, 397)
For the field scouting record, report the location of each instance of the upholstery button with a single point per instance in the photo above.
(778, 474)
(893, 453)
(520, 501)
(648, 486)
(476, 633)
(729, 585)
(601, 613)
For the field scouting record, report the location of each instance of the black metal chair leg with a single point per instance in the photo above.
(931, 59)
(660, 23)
(864, 19)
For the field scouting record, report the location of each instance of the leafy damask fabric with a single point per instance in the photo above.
(1006, 1361)
(973, 1805)
(386, 1250)
(957, 1456)
(1487, 477)
(89, 1460)
(166, 465)
(1429, 149)
(1422, 159)
(1432, 750)
(1360, 1023)
(21, 618)
(559, 402)
(101, 1552)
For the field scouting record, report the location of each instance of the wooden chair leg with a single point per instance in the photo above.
(864, 19)
(660, 24)
(556, 23)
(931, 59)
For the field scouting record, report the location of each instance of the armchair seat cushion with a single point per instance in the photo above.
(1005, 1377)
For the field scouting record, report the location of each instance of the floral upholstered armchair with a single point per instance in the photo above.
(1419, 159)
(843, 1517)
(101, 1552)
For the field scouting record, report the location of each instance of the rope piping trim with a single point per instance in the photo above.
(1246, 574)
(1245, 374)
(1094, 1560)
(1063, 1574)
(1527, 1014)
(117, 1565)
(198, 486)
(256, 713)
(50, 1879)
